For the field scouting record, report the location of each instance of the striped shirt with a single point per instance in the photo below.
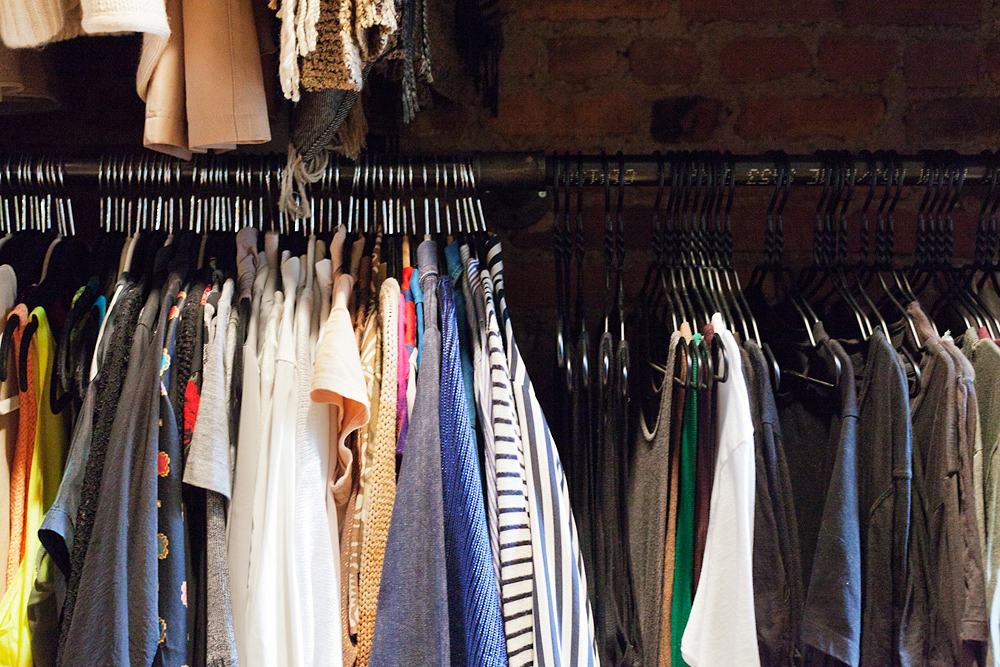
(516, 554)
(564, 623)
(475, 301)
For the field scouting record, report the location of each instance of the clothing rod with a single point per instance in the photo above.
(493, 170)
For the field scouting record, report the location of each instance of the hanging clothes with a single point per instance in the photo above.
(110, 387)
(684, 550)
(269, 618)
(935, 621)
(383, 480)
(704, 465)
(516, 548)
(207, 466)
(885, 470)
(564, 625)
(475, 303)
(371, 362)
(174, 644)
(24, 448)
(49, 440)
(777, 571)
(648, 506)
(721, 626)
(248, 449)
(116, 614)
(9, 419)
(475, 617)
(413, 596)
(679, 403)
(984, 355)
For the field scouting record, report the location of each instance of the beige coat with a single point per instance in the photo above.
(208, 89)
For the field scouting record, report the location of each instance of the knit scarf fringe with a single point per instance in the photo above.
(294, 201)
(298, 37)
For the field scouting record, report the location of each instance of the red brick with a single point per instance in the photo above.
(684, 119)
(840, 117)
(579, 59)
(989, 61)
(937, 63)
(659, 61)
(523, 55)
(781, 11)
(947, 121)
(747, 59)
(587, 115)
(913, 12)
(562, 10)
(857, 59)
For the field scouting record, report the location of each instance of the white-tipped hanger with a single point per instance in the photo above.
(46, 178)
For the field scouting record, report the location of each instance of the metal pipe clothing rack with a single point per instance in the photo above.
(492, 171)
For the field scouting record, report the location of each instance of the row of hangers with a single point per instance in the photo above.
(664, 301)
(691, 275)
(152, 191)
(853, 297)
(145, 201)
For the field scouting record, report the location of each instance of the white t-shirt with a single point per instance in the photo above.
(722, 628)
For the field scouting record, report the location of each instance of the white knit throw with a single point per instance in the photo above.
(30, 23)
(297, 38)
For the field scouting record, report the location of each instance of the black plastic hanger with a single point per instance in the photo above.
(22, 366)
(580, 324)
(672, 282)
(619, 237)
(786, 306)
(13, 322)
(686, 260)
(559, 248)
(732, 277)
(885, 241)
(855, 275)
(831, 254)
(712, 226)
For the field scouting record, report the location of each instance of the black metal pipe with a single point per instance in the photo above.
(493, 171)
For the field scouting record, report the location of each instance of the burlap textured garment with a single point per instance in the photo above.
(350, 35)
(383, 482)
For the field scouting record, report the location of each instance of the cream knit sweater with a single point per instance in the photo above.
(30, 23)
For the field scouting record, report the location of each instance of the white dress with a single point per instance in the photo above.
(270, 617)
(316, 588)
(245, 476)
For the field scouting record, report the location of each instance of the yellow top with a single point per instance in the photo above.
(47, 462)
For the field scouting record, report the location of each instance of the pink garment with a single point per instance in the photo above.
(402, 373)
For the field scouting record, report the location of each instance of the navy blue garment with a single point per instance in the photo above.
(173, 621)
(412, 622)
(477, 636)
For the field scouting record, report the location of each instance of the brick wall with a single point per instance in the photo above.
(744, 75)
(740, 75)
